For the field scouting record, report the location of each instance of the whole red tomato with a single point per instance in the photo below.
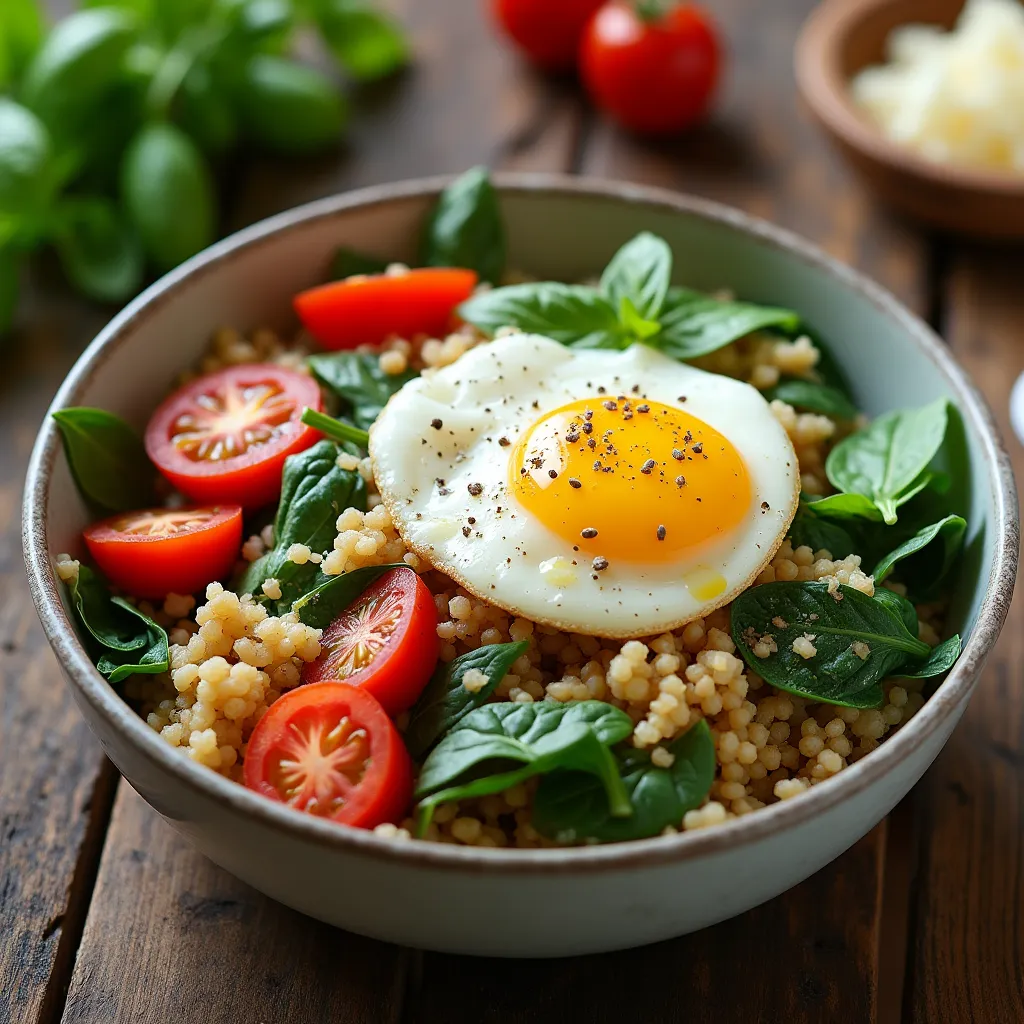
(652, 65)
(547, 31)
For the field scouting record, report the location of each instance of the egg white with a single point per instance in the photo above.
(437, 442)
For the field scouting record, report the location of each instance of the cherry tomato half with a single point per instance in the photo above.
(548, 33)
(162, 551)
(329, 749)
(368, 309)
(653, 72)
(225, 436)
(385, 642)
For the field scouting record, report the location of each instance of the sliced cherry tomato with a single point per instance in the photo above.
(368, 309)
(385, 642)
(651, 64)
(329, 749)
(548, 33)
(225, 436)
(163, 551)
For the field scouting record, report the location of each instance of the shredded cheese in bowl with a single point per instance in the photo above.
(954, 97)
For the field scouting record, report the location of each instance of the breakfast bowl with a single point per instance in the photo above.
(524, 902)
(840, 39)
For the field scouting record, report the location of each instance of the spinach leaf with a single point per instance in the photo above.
(314, 492)
(817, 532)
(806, 394)
(846, 508)
(466, 228)
(694, 324)
(342, 433)
(349, 263)
(319, 607)
(639, 273)
(122, 640)
(107, 459)
(937, 663)
(926, 558)
(898, 606)
(888, 460)
(571, 314)
(836, 674)
(359, 384)
(500, 745)
(445, 701)
(571, 807)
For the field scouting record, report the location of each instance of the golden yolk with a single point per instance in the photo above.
(630, 479)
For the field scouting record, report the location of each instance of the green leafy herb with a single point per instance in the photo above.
(314, 492)
(888, 460)
(939, 662)
(319, 607)
(107, 459)
(836, 674)
(899, 606)
(348, 263)
(21, 32)
(100, 255)
(445, 701)
(358, 382)
(572, 807)
(816, 532)
(500, 745)
(806, 394)
(25, 154)
(122, 640)
(335, 429)
(926, 558)
(639, 273)
(366, 43)
(846, 508)
(466, 228)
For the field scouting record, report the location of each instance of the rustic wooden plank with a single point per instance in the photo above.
(171, 937)
(968, 951)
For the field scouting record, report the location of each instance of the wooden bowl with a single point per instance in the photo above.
(839, 39)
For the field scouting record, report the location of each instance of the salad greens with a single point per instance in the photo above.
(329, 598)
(359, 385)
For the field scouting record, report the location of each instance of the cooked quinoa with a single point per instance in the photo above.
(230, 659)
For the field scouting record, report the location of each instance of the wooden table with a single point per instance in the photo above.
(106, 916)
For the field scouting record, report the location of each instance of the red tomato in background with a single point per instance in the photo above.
(547, 31)
(162, 551)
(329, 749)
(368, 309)
(385, 642)
(654, 74)
(225, 436)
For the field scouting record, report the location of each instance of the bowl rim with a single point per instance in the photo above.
(684, 846)
(825, 89)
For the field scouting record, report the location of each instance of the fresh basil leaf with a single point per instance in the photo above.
(466, 228)
(21, 32)
(940, 661)
(818, 533)
(322, 605)
(633, 323)
(25, 153)
(367, 43)
(107, 459)
(342, 433)
(926, 558)
(846, 508)
(349, 263)
(10, 271)
(100, 254)
(358, 382)
(898, 606)
(694, 324)
(570, 314)
(445, 701)
(888, 460)
(123, 641)
(571, 807)
(571, 747)
(314, 492)
(836, 674)
(806, 394)
(639, 272)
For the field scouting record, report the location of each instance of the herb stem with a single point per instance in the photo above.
(335, 429)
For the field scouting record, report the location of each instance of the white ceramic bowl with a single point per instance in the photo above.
(511, 902)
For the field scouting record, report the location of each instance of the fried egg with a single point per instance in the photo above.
(610, 493)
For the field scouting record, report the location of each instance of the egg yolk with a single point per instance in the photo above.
(629, 479)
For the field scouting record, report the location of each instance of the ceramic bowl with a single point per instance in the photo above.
(839, 39)
(510, 902)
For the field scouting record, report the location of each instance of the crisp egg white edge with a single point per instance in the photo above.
(643, 354)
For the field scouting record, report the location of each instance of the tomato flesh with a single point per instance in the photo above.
(547, 33)
(160, 551)
(385, 642)
(225, 436)
(655, 75)
(329, 749)
(368, 309)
